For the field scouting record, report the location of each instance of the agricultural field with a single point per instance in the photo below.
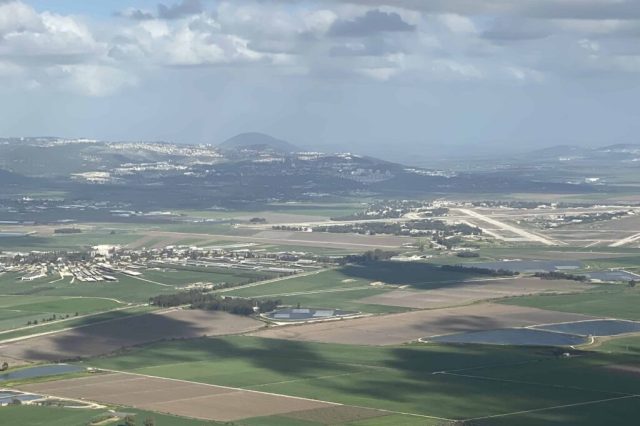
(28, 415)
(410, 326)
(380, 369)
(16, 311)
(287, 212)
(194, 400)
(97, 338)
(44, 239)
(349, 287)
(386, 287)
(31, 305)
(466, 292)
(324, 289)
(612, 301)
(73, 321)
(444, 382)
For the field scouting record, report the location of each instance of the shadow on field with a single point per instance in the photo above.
(111, 333)
(414, 274)
(414, 378)
(454, 324)
(285, 357)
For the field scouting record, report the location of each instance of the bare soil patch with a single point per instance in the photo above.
(472, 291)
(180, 398)
(110, 336)
(408, 326)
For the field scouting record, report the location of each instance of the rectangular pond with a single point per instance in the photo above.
(512, 336)
(39, 371)
(8, 397)
(613, 276)
(530, 266)
(596, 328)
(302, 314)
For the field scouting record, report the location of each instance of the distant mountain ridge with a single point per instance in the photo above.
(259, 142)
(559, 150)
(562, 151)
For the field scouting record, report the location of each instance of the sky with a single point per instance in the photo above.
(401, 78)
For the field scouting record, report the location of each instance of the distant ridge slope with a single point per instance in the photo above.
(259, 142)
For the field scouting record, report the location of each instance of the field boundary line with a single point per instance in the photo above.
(330, 376)
(347, 364)
(150, 281)
(272, 280)
(479, 367)
(331, 290)
(213, 386)
(555, 407)
(274, 394)
(46, 333)
(276, 240)
(524, 382)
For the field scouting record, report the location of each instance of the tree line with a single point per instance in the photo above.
(199, 299)
(555, 275)
(480, 271)
(376, 255)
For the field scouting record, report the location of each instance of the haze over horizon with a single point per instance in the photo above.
(395, 78)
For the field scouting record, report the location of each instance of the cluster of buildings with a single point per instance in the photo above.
(106, 262)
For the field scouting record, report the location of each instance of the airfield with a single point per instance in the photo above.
(397, 348)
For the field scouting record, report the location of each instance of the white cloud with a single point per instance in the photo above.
(319, 21)
(187, 47)
(91, 80)
(458, 24)
(443, 41)
(589, 45)
(15, 16)
(524, 74)
(451, 69)
(380, 73)
(29, 36)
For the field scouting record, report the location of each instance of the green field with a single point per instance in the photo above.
(616, 301)
(626, 262)
(623, 345)
(212, 275)
(479, 381)
(302, 209)
(390, 420)
(66, 241)
(343, 287)
(27, 301)
(16, 311)
(326, 289)
(56, 416)
(127, 289)
(76, 321)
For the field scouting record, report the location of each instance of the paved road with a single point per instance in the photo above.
(506, 227)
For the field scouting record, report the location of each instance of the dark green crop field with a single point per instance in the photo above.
(521, 385)
(616, 301)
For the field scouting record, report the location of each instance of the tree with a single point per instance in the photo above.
(5, 366)
(632, 283)
(421, 245)
(129, 420)
(149, 421)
